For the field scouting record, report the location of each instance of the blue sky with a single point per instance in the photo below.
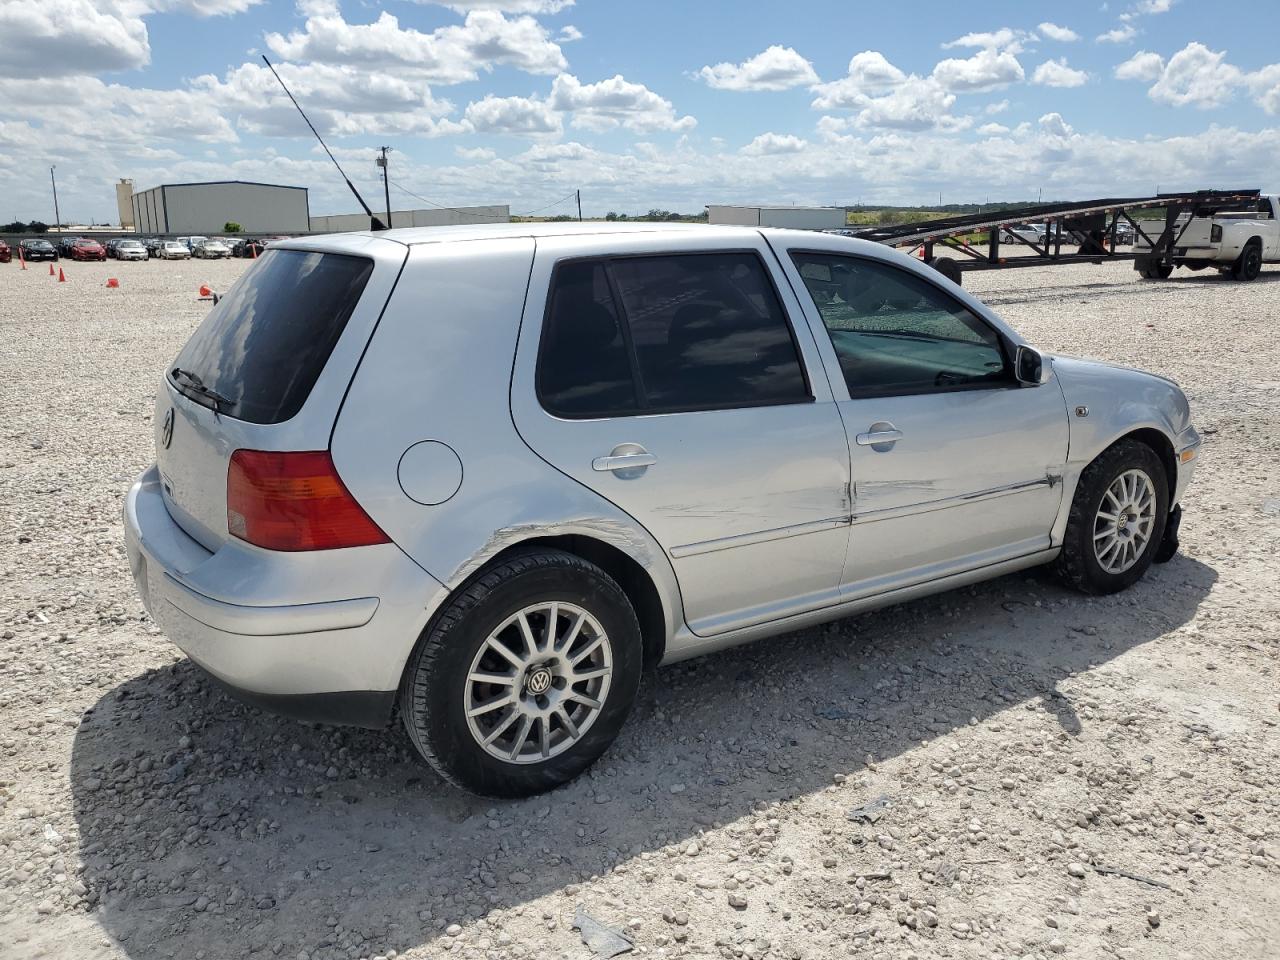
(663, 104)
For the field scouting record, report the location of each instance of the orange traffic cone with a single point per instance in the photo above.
(51, 273)
(112, 282)
(61, 277)
(205, 291)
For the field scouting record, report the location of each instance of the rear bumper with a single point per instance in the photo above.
(348, 708)
(322, 635)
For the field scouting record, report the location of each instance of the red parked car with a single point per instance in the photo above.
(88, 250)
(5, 253)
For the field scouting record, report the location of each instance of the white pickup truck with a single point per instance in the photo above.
(1238, 242)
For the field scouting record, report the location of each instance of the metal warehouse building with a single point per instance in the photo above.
(204, 208)
(799, 218)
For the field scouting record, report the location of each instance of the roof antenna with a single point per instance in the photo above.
(374, 222)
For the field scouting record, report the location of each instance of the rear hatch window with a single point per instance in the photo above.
(259, 352)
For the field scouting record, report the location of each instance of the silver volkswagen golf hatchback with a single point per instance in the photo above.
(488, 474)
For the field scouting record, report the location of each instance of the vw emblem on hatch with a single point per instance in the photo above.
(539, 681)
(166, 431)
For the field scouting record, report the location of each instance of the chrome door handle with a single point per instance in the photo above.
(625, 461)
(874, 438)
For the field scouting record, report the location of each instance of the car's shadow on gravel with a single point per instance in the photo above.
(207, 825)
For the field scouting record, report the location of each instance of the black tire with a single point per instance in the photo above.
(948, 268)
(1157, 271)
(1249, 264)
(433, 696)
(1078, 565)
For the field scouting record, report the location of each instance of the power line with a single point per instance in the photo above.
(472, 213)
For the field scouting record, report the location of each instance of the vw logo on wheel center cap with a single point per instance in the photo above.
(539, 681)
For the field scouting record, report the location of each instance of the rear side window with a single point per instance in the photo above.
(685, 332)
(263, 346)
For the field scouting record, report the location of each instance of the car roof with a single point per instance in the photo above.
(717, 234)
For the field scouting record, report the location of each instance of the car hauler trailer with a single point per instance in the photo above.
(1086, 228)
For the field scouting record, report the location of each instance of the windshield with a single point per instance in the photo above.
(265, 343)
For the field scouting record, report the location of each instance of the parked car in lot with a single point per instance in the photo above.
(191, 242)
(5, 253)
(65, 244)
(85, 249)
(130, 250)
(247, 248)
(34, 248)
(173, 250)
(210, 249)
(153, 245)
(624, 446)
(1029, 232)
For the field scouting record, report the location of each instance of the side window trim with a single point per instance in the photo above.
(624, 322)
(628, 342)
(1006, 347)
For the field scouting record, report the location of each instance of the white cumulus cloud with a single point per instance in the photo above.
(1052, 31)
(988, 69)
(615, 102)
(1121, 34)
(769, 144)
(1196, 76)
(519, 116)
(776, 68)
(452, 54)
(1143, 65)
(1057, 73)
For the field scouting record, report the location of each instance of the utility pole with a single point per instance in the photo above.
(57, 217)
(579, 195)
(386, 181)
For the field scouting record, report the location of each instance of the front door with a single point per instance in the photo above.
(955, 465)
(673, 384)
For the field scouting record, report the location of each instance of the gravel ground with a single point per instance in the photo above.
(1008, 770)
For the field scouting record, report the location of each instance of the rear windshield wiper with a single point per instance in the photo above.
(193, 383)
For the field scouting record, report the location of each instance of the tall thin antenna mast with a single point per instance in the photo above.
(374, 222)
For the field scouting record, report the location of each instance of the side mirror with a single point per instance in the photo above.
(1028, 366)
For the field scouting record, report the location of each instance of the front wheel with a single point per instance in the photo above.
(1117, 520)
(526, 677)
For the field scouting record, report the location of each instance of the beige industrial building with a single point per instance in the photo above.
(124, 204)
(797, 218)
(437, 217)
(205, 208)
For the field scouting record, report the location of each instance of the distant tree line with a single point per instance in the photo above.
(35, 226)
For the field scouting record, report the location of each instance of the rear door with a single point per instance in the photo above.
(955, 465)
(669, 378)
(277, 351)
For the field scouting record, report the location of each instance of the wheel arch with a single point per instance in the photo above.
(1160, 443)
(629, 574)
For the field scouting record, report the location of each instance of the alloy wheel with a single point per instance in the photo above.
(538, 682)
(1125, 520)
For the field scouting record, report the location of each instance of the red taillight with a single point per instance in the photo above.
(294, 501)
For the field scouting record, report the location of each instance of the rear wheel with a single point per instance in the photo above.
(948, 268)
(1249, 264)
(526, 677)
(1157, 271)
(1117, 520)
